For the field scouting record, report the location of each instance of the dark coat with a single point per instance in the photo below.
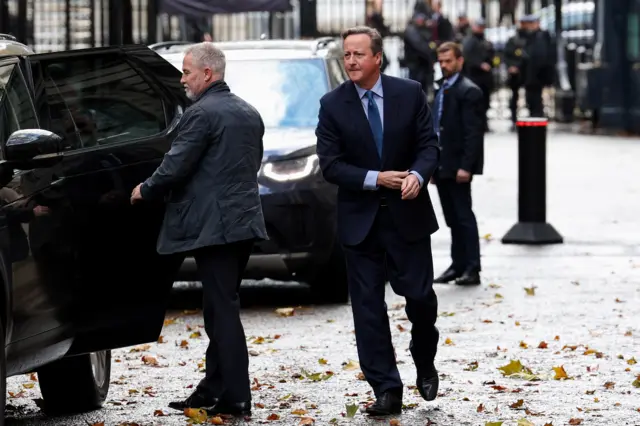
(462, 129)
(210, 175)
(347, 151)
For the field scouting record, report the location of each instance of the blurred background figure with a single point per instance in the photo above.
(478, 63)
(419, 52)
(516, 60)
(508, 9)
(540, 66)
(376, 20)
(463, 28)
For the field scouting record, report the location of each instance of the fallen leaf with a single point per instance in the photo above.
(299, 412)
(28, 385)
(352, 409)
(217, 420)
(306, 421)
(575, 421)
(196, 414)
(400, 327)
(609, 385)
(149, 360)
(159, 413)
(350, 365)
(524, 345)
(161, 339)
(322, 361)
(480, 408)
(632, 361)
(560, 373)
(636, 382)
(498, 296)
(448, 341)
(473, 366)
(531, 291)
(518, 404)
(494, 285)
(394, 422)
(543, 345)
(141, 348)
(273, 416)
(285, 312)
(493, 424)
(516, 369)
(195, 335)
(524, 422)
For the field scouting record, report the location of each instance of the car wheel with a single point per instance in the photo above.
(76, 384)
(329, 281)
(3, 377)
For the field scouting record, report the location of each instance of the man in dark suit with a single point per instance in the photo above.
(459, 119)
(376, 143)
(213, 213)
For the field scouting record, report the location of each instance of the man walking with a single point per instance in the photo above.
(376, 143)
(459, 120)
(213, 213)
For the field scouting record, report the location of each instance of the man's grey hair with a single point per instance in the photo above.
(374, 35)
(206, 55)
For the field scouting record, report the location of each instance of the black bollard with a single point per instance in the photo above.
(532, 226)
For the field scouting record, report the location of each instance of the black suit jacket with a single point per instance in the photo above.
(461, 129)
(347, 151)
(210, 175)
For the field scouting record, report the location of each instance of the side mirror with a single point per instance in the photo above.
(24, 145)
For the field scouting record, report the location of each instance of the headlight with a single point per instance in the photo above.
(288, 170)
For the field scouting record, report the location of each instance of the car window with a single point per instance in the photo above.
(16, 109)
(286, 92)
(97, 100)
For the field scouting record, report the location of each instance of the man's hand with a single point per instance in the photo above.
(463, 176)
(391, 180)
(40, 211)
(485, 66)
(136, 195)
(410, 187)
(513, 70)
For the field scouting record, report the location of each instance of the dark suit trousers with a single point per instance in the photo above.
(383, 255)
(220, 269)
(455, 199)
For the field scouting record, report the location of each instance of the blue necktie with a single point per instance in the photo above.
(374, 121)
(439, 102)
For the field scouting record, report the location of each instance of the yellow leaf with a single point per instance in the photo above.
(351, 365)
(394, 422)
(299, 412)
(493, 424)
(306, 421)
(524, 345)
(560, 373)
(161, 339)
(258, 340)
(196, 414)
(352, 409)
(524, 422)
(217, 420)
(28, 385)
(322, 361)
(498, 296)
(195, 335)
(516, 369)
(448, 341)
(632, 361)
(285, 312)
(531, 291)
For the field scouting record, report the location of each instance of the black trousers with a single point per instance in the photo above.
(385, 255)
(227, 362)
(455, 199)
(533, 96)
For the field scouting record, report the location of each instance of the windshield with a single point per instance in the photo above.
(286, 92)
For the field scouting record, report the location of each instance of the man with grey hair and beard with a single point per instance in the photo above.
(213, 213)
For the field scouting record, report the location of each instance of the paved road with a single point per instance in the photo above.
(582, 315)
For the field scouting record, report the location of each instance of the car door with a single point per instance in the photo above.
(116, 110)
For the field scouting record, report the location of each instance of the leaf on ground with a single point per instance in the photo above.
(636, 382)
(350, 365)
(448, 341)
(560, 373)
(352, 409)
(195, 335)
(150, 360)
(317, 377)
(531, 291)
(480, 408)
(299, 412)
(159, 413)
(473, 366)
(169, 321)
(394, 422)
(306, 421)
(141, 348)
(493, 424)
(518, 404)
(273, 416)
(198, 415)
(161, 339)
(543, 345)
(575, 422)
(492, 285)
(217, 420)
(322, 361)
(609, 385)
(524, 422)
(285, 312)
(632, 361)
(28, 385)
(524, 345)
(517, 370)
(498, 296)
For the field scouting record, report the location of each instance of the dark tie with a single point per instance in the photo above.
(439, 103)
(374, 121)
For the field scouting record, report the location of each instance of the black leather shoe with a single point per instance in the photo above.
(427, 385)
(469, 278)
(388, 403)
(447, 276)
(230, 408)
(197, 399)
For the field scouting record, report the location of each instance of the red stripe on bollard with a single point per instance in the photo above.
(532, 123)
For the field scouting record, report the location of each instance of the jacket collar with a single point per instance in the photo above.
(215, 87)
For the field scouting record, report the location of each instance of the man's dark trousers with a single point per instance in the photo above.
(385, 255)
(455, 199)
(220, 268)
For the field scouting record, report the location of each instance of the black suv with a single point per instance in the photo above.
(78, 263)
(79, 270)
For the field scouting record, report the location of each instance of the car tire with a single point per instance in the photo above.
(329, 280)
(76, 384)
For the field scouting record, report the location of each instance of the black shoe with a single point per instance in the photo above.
(387, 404)
(447, 276)
(197, 399)
(230, 408)
(427, 384)
(469, 278)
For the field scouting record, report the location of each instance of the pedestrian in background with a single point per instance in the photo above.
(458, 113)
(214, 214)
(376, 143)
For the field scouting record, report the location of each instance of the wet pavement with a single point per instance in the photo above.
(569, 314)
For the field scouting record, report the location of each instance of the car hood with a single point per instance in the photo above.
(284, 142)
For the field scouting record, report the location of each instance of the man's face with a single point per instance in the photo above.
(449, 64)
(194, 79)
(359, 61)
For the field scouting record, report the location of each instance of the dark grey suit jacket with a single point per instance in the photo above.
(210, 175)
